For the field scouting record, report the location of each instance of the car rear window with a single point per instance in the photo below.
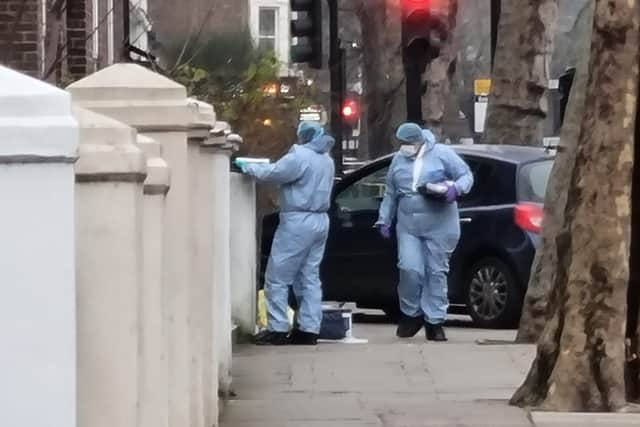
(532, 185)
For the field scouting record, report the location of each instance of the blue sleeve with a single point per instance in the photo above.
(389, 206)
(458, 171)
(286, 170)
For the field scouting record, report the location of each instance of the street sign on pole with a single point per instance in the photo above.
(481, 89)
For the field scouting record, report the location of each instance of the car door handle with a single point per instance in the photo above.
(466, 220)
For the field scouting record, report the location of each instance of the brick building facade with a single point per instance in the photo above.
(61, 40)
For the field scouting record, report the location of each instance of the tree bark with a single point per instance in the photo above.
(518, 103)
(439, 74)
(381, 69)
(580, 361)
(543, 271)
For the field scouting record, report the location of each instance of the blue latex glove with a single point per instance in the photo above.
(385, 231)
(240, 163)
(452, 193)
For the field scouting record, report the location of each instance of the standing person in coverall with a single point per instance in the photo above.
(423, 183)
(305, 176)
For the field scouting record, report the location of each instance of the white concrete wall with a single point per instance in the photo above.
(157, 108)
(109, 196)
(153, 389)
(243, 253)
(204, 244)
(222, 264)
(199, 289)
(38, 140)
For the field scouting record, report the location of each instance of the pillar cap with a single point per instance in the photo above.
(107, 150)
(158, 179)
(221, 138)
(136, 96)
(202, 119)
(36, 122)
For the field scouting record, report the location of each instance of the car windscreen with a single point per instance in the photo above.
(533, 180)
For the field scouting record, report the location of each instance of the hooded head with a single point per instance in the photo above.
(311, 134)
(308, 131)
(429, 139)
(411, 138)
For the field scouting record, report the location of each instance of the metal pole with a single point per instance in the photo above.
(337, 89)
(495, 20)
(126, 30)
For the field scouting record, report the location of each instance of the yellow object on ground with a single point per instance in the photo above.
(262, 312)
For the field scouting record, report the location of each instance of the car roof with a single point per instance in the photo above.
(508, 153)
(517, 154)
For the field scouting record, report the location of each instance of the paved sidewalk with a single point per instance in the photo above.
(387, 382)
(392, 383)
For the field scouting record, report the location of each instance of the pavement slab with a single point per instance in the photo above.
(385, 383)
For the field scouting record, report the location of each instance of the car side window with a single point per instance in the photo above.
(482, 172)
(364, 194)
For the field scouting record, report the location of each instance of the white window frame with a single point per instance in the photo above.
(95, 39)
(283, 34)
(111, 52)
(276, 28)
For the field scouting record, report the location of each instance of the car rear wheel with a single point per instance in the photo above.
(494, 297)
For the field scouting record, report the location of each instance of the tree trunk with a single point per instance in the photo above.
(381, 69)
(518, 103)
(543, 271)
(633, 294)
(580, 362)
(439, 74)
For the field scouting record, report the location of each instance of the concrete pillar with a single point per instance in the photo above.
(244, 251)
(200, 236)
(153, 375)
(38, 141)
(220, 152)
(157, 107)
(109, 176)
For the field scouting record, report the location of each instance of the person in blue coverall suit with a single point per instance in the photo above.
(423, 183)
(306, 177)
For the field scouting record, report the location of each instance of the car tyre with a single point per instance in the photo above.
(494, 296)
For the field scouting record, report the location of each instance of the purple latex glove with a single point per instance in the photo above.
(452, 193)
(385, 231)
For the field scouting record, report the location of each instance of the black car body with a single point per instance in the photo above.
(500, 221)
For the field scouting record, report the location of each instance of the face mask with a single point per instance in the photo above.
(409, 150)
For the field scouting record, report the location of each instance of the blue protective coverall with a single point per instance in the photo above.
(306, 177)
(427, 230)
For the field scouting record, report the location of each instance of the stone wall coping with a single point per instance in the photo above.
(158, 179)
(107, 150)
(134, 95)
(202, 114)
(36, 122)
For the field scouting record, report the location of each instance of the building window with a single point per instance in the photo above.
(267, 28)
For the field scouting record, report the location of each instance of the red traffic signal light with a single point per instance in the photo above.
(350, 111)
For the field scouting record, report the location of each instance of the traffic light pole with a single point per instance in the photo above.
(337, 72)
(495, 20)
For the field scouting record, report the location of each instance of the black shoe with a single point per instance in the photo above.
(435, 332)
(271, 338)
(299, 337)
(408, 326)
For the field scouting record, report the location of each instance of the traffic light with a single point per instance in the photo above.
(424, 32)
(350, 112)
(307, 27)
(423, 28)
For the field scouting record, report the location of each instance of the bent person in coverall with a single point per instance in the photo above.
(306, 176)
(423, 183)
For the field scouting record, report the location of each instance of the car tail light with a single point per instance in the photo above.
(528, 216)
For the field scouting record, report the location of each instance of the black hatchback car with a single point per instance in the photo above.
(500, 223)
